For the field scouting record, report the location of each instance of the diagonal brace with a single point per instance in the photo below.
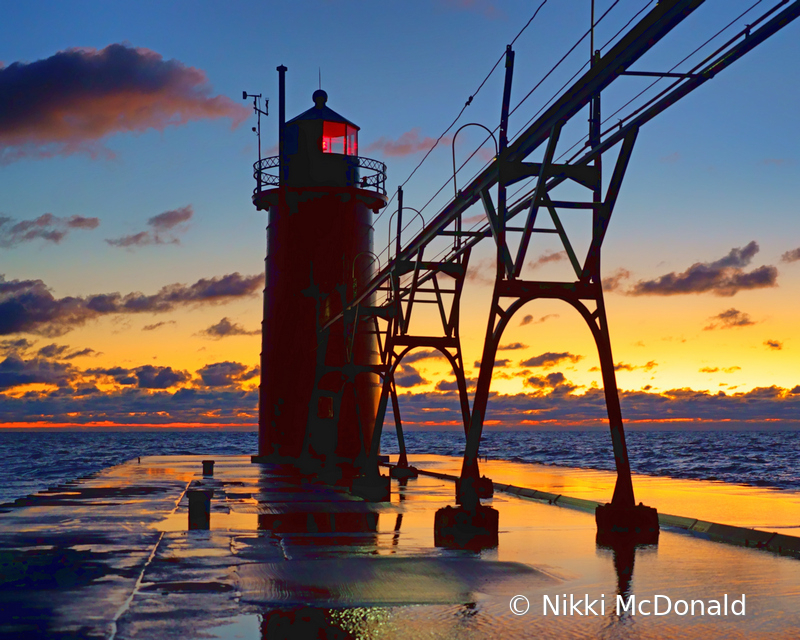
(538, 194)
(602, 214)
(499, 237)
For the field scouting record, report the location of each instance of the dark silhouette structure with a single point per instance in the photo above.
(348, 322)
(317, 399)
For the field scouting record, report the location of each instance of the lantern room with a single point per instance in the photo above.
(321, 148)
(320, 151)
(339, 137)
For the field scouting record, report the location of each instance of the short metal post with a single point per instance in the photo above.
(199, 508)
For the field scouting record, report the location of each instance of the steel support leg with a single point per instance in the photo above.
(623, 489)
(471, 524)
(401, 470)
(402, 460)
(622, 521)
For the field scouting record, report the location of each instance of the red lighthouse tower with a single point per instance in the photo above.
(318, 399)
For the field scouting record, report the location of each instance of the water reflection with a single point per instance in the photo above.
(623, 555)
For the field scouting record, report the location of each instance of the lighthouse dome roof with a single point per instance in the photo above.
(320, 111)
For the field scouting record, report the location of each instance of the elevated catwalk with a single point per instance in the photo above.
(110, 556)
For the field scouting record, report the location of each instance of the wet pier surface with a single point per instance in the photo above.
(111, 556)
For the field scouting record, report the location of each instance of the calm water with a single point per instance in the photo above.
(34, 461)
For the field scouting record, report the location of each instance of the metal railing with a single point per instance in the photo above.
(264, 179)
(375, 179)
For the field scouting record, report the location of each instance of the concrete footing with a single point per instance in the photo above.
(372, 488)
(466, 528)
(637, 524)
(401, 473)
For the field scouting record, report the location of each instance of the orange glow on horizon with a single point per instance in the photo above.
(126, 426)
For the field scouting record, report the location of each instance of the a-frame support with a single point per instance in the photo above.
(397, 338)
(585, 294)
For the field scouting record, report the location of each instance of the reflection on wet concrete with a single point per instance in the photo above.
(623, 556)
(744, 506)
(112, 556)
(301, 622)
(375, 580)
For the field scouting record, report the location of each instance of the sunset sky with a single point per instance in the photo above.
(132, 257)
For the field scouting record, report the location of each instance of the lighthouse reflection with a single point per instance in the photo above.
(301, 622)
(315, 528)
(313, 521)
(308, 514)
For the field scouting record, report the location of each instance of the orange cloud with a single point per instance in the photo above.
(614, 281)
(408, 143)
(549, 256)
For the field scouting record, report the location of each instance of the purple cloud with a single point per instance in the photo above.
(46, 227)
(74, 99)
(28, 306)
(729, 319)
(549, 359)
(225, 328)
(165, 230)
(723, 277)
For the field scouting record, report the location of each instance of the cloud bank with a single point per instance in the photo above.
(222, 392)
(28, 306)
(551, 405)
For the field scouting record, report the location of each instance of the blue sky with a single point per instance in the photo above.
(715, 172)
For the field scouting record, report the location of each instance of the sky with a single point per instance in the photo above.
(132, 257)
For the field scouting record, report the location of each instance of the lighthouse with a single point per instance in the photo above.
(318, 397)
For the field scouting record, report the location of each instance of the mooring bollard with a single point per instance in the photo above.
(208, 467)
(200, 508)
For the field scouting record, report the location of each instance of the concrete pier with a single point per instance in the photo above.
(112, 556)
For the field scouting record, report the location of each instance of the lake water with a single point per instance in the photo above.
(35, 460)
